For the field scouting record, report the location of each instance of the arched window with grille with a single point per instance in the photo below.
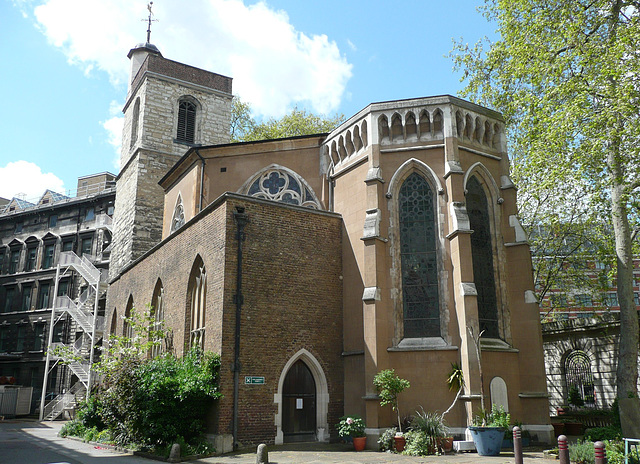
(482, 257)
(127, 328)
(579, 379)
(157, 311)
(418, 254)
(197, 303)
(186, 121)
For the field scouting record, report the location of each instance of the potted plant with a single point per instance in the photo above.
(434, 428)
(389, 386)
(353, 427)
(488, 429)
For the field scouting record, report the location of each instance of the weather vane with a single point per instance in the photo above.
(149, 21)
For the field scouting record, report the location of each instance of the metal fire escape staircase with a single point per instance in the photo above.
(84, 313)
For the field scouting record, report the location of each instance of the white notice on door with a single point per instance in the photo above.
(298, 403)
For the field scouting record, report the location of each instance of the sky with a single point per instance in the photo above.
(64, 67)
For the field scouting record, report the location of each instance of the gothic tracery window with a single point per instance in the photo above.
(280, 185)
(482, 256)
(421, 303)
(198, 292)
(178, 215)
(157, 308)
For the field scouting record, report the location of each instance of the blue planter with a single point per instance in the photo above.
(488, 440)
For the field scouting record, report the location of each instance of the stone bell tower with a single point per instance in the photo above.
(170, 108)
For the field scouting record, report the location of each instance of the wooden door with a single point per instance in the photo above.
(299, 404)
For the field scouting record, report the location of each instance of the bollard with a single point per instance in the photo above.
(262, 456)
(563, 449)
(174, 454)
(598, 448)
(517, 445)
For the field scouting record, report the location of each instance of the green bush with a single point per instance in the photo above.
(582, 452)
(615, 453)
(418, 444)
(385, 441)
(603, 433)
(73, 428)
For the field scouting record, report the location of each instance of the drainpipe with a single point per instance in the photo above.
(200, 201)
(241, 220)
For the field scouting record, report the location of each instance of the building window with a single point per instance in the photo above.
(26, 297)
(1, 260)
(186, 122)
(87, 244)
(53, 220)
(38, 337)
(127, 328)
(579, 379)
(89, 214)
(43, 295)
(421, 303)
(482, 256)
(63, 288)
(47, 259)
(611, 299)
(285, 187)
(584, 300)
(32, 254)
(559, 300)
(4, 339)
(198, 292)
(67, 245)
(18, 227)
(9, 299)
(22, 330)
(134, 122)
(14, 260)
(157, 306)
(178, 215)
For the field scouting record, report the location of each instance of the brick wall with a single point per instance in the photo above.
(292, 292)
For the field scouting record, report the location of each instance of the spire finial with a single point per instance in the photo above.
(149, 20)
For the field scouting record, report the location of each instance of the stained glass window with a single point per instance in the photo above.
(279, 185)
(419, 259)
(482, 256)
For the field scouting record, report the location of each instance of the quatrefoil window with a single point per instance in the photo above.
(282, 186)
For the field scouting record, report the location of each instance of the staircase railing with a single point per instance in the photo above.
(63, 401)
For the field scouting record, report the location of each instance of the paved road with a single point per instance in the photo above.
(31, 442)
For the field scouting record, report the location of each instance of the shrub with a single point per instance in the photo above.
(603, 433)
(73, 428)
(497, 417)
(350, 426)
(430, 424)
(418, 444)
(582, 452)
(386, 439)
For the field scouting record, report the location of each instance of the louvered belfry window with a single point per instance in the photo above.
(186, 122)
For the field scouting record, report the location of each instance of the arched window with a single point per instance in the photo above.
(482, 256)
(157, 309)
(421, 303)
(186, 121)
(127, 328)
(134, 122)
(579, 379)
(280, 184)
(114, 322)
(178, 215)
(198, 299)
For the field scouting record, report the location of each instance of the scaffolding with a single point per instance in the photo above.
(84, 312)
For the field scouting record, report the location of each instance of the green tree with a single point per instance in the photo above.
(389, 386)
(565, 74)
(244, 128)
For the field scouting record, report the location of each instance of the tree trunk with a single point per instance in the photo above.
(627, 370)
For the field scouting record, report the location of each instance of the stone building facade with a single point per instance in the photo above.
(163, 116)
(378, 245)
(32, 238)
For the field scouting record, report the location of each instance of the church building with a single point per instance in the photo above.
(312, 263)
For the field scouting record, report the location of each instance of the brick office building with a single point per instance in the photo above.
(374, 246)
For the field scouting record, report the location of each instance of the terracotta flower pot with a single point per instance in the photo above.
(445, 444)
(400, 443)
(359, 443)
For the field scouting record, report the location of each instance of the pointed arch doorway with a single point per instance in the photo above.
(299, 404)
(302, 401)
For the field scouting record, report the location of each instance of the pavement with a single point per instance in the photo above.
(33, 442)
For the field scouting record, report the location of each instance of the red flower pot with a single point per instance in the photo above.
(400, 442)
(359, 443)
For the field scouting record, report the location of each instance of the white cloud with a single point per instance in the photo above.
(23, 177)
(113, 126)
(274, 66)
